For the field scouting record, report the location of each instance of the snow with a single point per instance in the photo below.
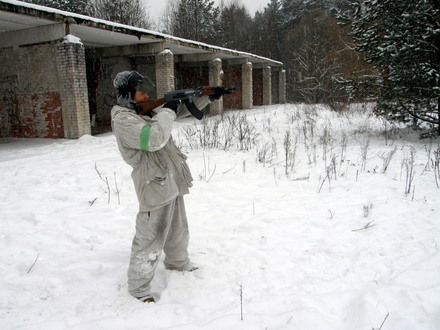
(301, 251)
(72, 39)
(166, 51)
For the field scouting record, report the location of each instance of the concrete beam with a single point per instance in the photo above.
(236, 61)
(129, 50)
(33, 35)
(206, 57)
(260, 65)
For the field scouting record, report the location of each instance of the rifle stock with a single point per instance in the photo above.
(149, 105)
(182, 95)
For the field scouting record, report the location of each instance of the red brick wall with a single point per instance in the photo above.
(257, 79)
(190, 77)
(38, 115)
(42, 95)
(232, 77)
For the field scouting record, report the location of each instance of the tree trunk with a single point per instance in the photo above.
(438, 115)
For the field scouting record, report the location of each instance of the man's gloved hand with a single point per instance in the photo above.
(219, 91)
(172, 105)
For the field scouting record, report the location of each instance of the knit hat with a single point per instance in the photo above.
(132, 81)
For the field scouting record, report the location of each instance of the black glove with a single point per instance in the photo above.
(219, 91)
(172, 105)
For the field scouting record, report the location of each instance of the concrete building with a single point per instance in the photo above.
(57, 70)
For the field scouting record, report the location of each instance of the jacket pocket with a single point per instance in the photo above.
(158, 189)
(154, 187)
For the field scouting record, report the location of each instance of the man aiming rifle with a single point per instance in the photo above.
(160, 173)
(187, 96)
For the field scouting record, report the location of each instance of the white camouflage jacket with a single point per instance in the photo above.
(160, 172)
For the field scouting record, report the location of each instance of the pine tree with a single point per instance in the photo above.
(267, 38)
(193, 19)
(235, 27)
(401, 39)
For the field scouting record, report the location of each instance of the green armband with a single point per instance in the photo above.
(145, 138)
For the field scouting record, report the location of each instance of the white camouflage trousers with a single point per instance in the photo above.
(162, 229)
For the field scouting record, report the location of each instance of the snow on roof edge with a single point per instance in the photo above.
(132, 28)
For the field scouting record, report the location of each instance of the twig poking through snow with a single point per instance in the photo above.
(275, 176)
(384, 321)
(367, 209)
(408, 166)
(105, 181)
(92, 202)
(386, 159)
(368, 225)
(117, 189)
(38, 255)
(332, 214)
(241, 301)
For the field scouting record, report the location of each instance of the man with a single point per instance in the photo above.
(161, 177)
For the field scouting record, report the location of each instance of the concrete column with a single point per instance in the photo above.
(246, 85)
(164, 72)
(72, 76)
(267, 86)
(215, 79)
(282, 87)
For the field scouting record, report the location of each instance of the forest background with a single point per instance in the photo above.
(334, 51)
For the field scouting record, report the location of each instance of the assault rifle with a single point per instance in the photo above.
(186, 96)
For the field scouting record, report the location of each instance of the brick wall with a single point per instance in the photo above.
(30, 104)
(257, 91)
(233, 77)
(102, 94)
(100, 75)
(164, 66)
(282, 87)
(38, 115)
(43, 91)
(71, 67)
(215, 73)
(246, 89)
(145, 65)
(192, 76)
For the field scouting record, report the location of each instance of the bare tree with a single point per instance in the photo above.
(129, 12)
(74, 6)
(316, 60)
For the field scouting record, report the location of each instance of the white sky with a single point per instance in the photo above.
(156, 7)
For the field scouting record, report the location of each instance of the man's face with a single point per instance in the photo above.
(140, 96)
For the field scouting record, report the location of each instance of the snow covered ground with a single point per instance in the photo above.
(337, 239)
